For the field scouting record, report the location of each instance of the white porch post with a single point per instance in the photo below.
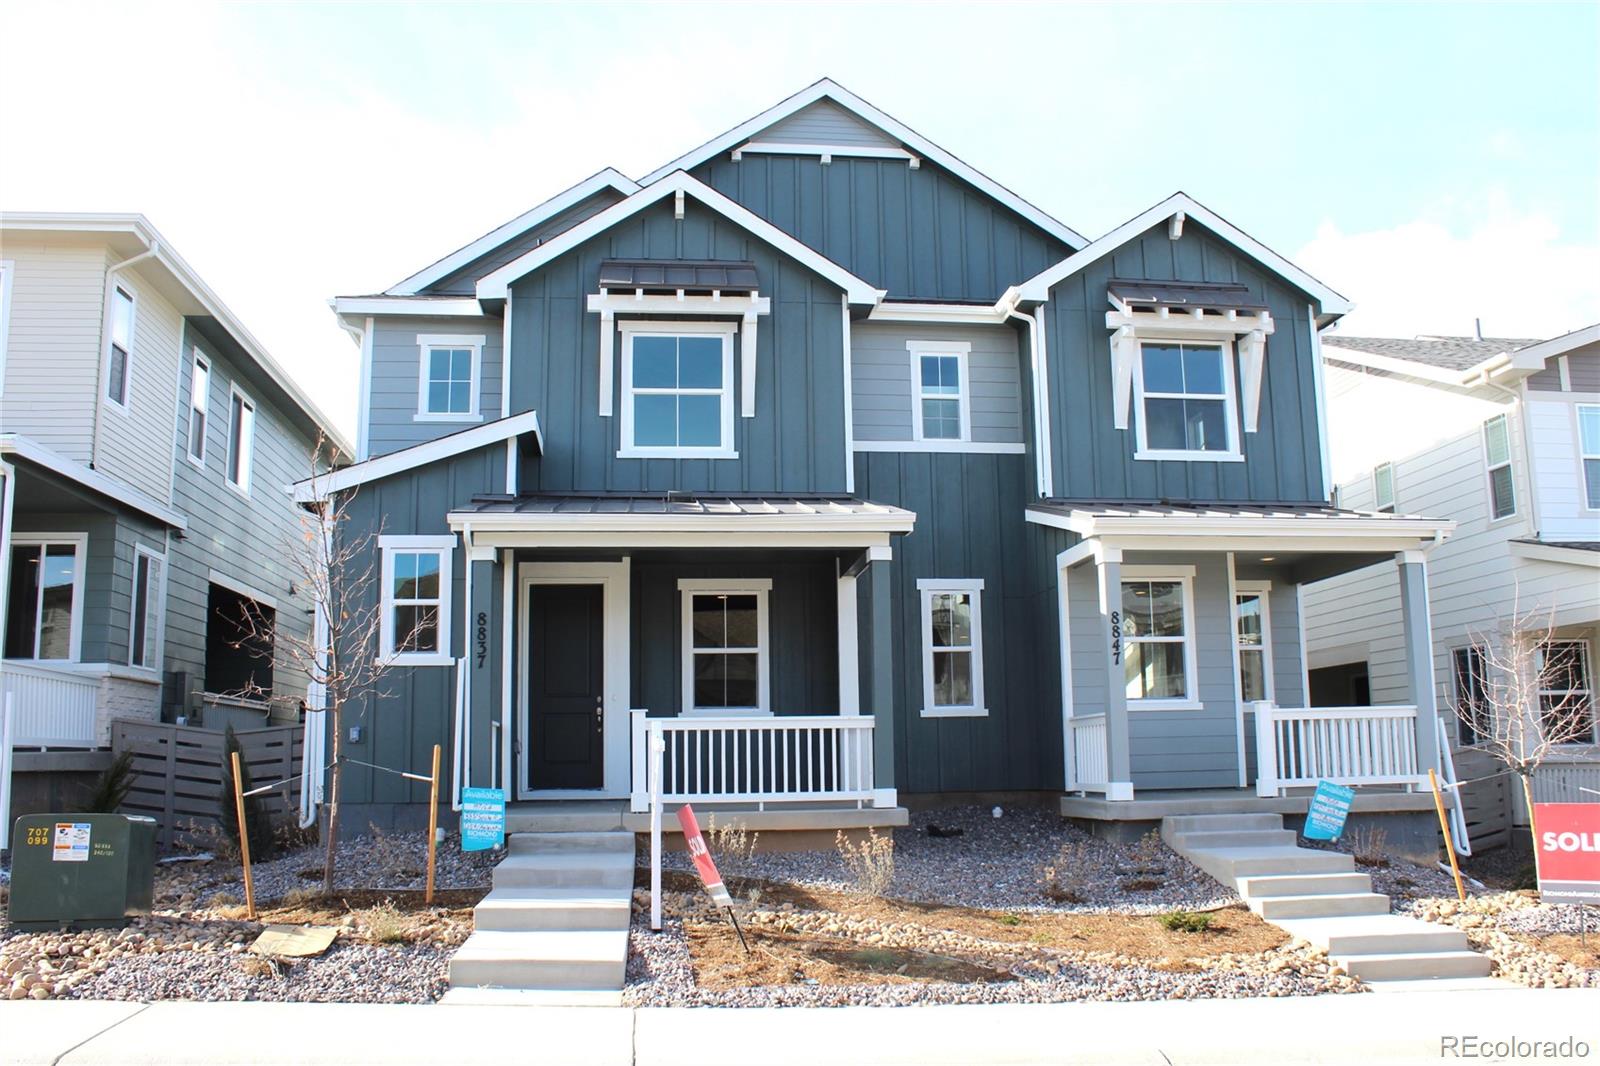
(1417, 621)
(849, 653)
(1119, 772)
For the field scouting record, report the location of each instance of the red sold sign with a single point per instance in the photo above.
(696, 843)
(1569, 851)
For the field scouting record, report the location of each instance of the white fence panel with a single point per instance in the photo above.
(53, 708)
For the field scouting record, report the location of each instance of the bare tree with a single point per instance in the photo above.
(1520, 703)
(339, 570)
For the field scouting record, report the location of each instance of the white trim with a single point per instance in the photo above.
(1564, 372)
(1555, 553)
(1184, 577)
(927, 588)
(364, 403)
(826, 151)
(962, 351)
(1284, 528)
(1064, 651)
(1037, 288)
(426, 343)
(1489, 467)
(724, 332)
(1584, 503)
(1238, 672)
(217, 577)
(1230, 405)
(1262, 589)
(617, 607)
(849, 399)
(8, 272)
(396, 462)
(1321, 388)
(442, 268)
(1041, 403)
(849, 648)
(509, 716)
(197, 361)
(939, 313)
(27, 448)
(155, 601)
(495, 286)
(444, 547)
(408, 306)
(881, 519)
(80, 567)
(505, 359)
(826, 88)
(1378, 502)
(125, 404)
(508, 535)
(974, 447)
(247, 447)
(761, 589)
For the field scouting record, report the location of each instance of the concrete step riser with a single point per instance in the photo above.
(1235, 838)
(599, 822)
(1282, 907)
(1307, 862)
(537, 973)
(1304, 885)
(533, 919)
(1390, 967)
(1220, 823)
(554, 843)
(1428, 942)
(562, 877)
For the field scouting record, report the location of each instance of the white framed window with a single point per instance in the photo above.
(952, 647)
(1470, 672)
(1566, 692)
(417, 576)
(1184, 393)
(44, 614)
(1589, 453)
(146, 617)
(1383, 487)
(941, 390)
(119, 349)
(449, 377)
(1497, 456)
(726, 651)
(1252, 639)
(241, 439)
(199, 404)
(677, 390)
(1158, 649)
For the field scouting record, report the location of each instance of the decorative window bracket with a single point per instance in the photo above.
(608, 305)
(1129, 327)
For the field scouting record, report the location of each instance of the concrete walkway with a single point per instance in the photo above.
(1366, 1029)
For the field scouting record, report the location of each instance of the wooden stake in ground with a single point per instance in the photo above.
(244, 842)
(433, 825)
(1444, 826)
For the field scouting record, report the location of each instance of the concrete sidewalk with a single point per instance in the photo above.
(1366, 1029)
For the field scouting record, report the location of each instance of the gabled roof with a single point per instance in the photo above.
(1456, 360)
(398, 462)
(606, 179)
(1037, 288)
(493, 286)
(831, 90)
(1445, 353)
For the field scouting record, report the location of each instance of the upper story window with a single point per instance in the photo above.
(45, 616)
(1383, 487)
(449, 380)
(1158, 653)
(241, 440)
(941, 390)
(417, 574)
(119, 359)
(952, 647)
(1497, 453)
(199, 403)
(1185, 398)
(677, 391)
(1589, 452)
(725, 646)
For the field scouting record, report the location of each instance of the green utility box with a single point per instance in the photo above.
(81, 869)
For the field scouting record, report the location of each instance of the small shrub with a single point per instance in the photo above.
(733, 848)
(111, 788)
(1185, 921)
(1010, 919)
(1065, 880)
(385, 924)
(870, 862)
(1149, 854)
(1369, 844)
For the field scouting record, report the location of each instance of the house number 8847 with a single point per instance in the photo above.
(1116, 638)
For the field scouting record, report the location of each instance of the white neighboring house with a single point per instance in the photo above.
(1503, 436)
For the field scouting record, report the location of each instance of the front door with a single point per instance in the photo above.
(566, 693)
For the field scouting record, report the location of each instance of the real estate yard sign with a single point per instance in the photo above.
(1330, 806)
(483, 818)
(695, 841)
(1569, 851)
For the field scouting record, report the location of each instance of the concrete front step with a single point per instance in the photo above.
(1263, 885)
(1243, 862)
(1278, 908)
(1219, 823)
(1442, 984)
(1381, 934)
(597, 842)
(1414, 964)
(565, 869)
(1237, 838)
(582, 816)
(509, 909)
(546, 959)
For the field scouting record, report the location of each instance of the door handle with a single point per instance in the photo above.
(599, 714)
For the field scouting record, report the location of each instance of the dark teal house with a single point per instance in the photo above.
(853, 476)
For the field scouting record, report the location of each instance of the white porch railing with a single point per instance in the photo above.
(1298, 746)
(53, 708)
(784, 759)
(1090, 771)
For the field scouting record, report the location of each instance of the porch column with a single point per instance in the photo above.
(849, 649)
(482, 653)
(1119, 772)
(1417, 621)
(880, 692)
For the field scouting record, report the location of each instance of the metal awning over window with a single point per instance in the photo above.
(691, 275)
(1207, 297)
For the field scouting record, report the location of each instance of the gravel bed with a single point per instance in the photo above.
(996, 863)
(1545, 918)
(1506, 927)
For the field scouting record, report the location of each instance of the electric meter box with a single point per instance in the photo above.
(81, 870)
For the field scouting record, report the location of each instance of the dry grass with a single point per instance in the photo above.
(777, 958)
(1369, 845)
(733, 847)
(394, 857)
(384, 924)
(1066, 879)
(869, 861)
(1569, 948)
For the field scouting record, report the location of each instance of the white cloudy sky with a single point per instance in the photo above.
(1435, 169)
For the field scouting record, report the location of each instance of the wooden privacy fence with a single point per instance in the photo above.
(177, 772)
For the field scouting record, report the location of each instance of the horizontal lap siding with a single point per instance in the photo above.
(135, 446)
(396, 374)
(795, 442)
(825, 122)
(107, 573)
(1094, 460)
(882, 389)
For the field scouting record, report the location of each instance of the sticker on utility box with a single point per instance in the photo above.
(71, 842)
(1330, 806)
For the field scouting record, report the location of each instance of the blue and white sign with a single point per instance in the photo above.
(1330, 806)
(483, 818)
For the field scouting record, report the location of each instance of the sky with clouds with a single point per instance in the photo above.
(1436, 163)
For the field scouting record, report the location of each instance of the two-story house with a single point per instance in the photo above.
(834, 471)
(1503, 436)
(146, 439)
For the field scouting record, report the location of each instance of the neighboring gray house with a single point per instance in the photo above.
(146, 439)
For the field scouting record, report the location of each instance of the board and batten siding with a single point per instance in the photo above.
(52, 365)
(882, 382)
(396, 380)
(921, 234)
(463, 281)
(1583, 372)
(795, 442)
(1094, 460)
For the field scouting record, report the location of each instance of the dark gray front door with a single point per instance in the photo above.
(566, 671)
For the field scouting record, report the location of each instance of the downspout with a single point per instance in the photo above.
(1043, 481)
